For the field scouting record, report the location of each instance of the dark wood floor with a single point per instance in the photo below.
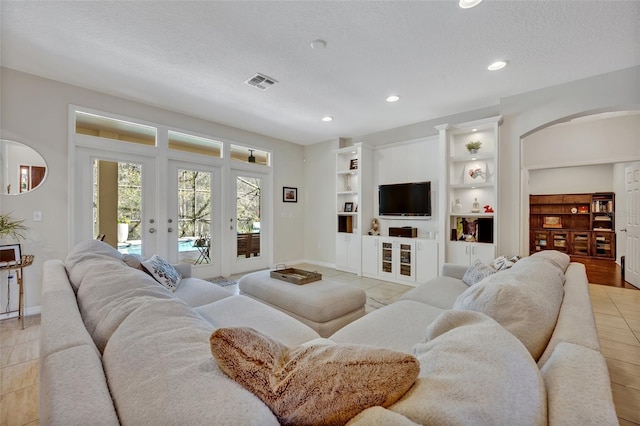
(603, 271)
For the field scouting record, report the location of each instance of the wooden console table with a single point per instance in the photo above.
(25, 261)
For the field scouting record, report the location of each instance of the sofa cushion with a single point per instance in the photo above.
(556, 258)
(73, 389)
(77, 260)
(161, 372)
(109, 292)
(163, 272)
(379, 416)
(440, 292)
(525, 300)
(197, 292)
(578, 387)
(61, 326)
(397, 326)
(477, 272)
(313, 385)
(576, 322)
(472, 371)
(242, 311)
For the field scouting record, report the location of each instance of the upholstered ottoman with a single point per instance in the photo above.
(326, 306)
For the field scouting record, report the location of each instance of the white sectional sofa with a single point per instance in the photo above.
(119, 348)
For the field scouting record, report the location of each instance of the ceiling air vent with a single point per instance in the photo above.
(260, 81)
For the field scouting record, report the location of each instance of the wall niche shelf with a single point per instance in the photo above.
(353, 185)
(469, 177)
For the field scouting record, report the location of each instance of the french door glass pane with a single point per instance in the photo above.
(194, 216)
(248, 213)
(117, 204)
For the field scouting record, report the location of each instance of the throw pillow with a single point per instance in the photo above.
(477, 272)
(473, 372)
(163, 272)
(502, 263)
(317, 384)
(134, 261)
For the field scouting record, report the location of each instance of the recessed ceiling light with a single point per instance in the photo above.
(393, 98)
(327, 118)
(318, 44)
(497, 65)
(474, 130)
(468, 4)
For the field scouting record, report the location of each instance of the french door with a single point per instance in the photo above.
(194, 217)
(632, 225)
(115, 200)
(249, 223)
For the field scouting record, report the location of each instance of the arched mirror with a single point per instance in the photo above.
(22, 169)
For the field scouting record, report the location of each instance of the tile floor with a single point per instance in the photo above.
(617, 313)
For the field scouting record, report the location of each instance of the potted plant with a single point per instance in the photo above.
(473, 146)
(11, 228)
(123, 229)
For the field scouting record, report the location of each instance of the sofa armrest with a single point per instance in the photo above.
(184, 269)
(454, 271)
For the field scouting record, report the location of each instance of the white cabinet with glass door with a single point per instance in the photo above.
(397, 259)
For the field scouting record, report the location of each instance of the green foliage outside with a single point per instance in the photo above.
(248, 203)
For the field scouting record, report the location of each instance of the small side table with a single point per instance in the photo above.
(203, 246)
(25, 261)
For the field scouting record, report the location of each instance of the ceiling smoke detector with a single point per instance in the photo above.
(261, 81)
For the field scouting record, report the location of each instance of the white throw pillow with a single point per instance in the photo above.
(473, 372)
(477, 272)
(163, 272)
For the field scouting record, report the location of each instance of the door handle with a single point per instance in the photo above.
(152, 230)
(170, 229)
(623, 230)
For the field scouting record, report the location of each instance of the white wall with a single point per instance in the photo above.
(408, 162)
(572, 180)
(320, 202)
(606, 140)
(35, 112)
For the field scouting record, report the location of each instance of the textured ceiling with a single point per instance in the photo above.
(193, 57)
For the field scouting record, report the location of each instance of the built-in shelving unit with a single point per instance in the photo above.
(470, 177)
(354, 204)
(576, 224)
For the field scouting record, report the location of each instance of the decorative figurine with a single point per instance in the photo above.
(476, 206)
(374, 227)
(488, 209)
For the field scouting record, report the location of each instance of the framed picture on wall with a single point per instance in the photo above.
(289, 194)
(10, 253)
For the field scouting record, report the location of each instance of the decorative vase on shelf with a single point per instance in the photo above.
(457, 207)
(475, 208)
(347, 183)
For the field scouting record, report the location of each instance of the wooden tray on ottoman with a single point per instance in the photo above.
(296, 276)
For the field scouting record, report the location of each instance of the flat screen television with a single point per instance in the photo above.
(405, 199)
